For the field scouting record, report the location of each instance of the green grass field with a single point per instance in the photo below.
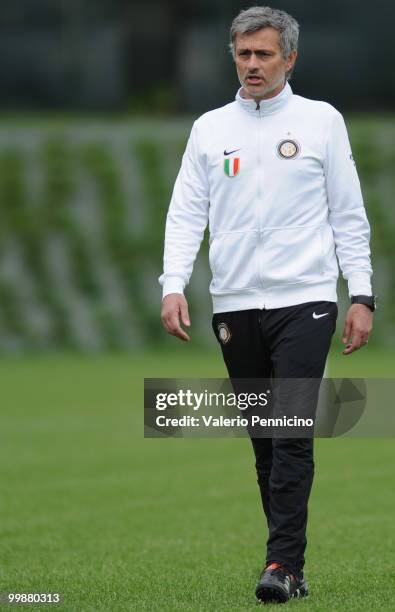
(113, 521)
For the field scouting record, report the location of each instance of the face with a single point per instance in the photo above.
(260, 65)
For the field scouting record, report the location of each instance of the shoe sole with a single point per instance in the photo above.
(267, 594)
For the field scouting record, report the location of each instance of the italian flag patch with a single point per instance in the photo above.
(231, 166)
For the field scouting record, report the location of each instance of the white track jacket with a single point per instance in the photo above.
(278, 185)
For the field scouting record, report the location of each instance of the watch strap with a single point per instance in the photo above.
(368, 300)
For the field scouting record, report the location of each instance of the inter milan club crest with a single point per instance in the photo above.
(231, 166)
(288, 149)
(224, 333)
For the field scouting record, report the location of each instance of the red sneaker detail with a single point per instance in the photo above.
(275, 565)
(272, 566)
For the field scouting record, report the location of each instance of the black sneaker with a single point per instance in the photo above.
(278, 584)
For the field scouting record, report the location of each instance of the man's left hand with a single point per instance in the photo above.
(357, 327)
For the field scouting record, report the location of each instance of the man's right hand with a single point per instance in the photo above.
(174, 305)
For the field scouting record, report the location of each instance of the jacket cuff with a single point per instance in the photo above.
(173, 284)
(359, 284)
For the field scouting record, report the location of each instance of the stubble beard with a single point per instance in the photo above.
(266, 89)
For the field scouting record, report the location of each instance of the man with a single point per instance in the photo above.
(273, 174)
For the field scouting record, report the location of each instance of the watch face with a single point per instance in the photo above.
(372, 304)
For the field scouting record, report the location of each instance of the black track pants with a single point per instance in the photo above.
(290, 342)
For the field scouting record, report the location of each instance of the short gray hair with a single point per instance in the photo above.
(258, 17)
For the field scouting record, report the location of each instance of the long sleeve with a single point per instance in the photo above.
(186, 219)
(347, 214)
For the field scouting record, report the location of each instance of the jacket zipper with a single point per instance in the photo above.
(260, 235)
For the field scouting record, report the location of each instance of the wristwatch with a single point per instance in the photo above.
(369, 300)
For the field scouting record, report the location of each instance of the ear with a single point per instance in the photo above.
(291, 60)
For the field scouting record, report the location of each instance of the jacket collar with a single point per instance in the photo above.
(266, 107)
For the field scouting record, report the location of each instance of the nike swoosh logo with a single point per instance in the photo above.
(229, 152)
(316, 316)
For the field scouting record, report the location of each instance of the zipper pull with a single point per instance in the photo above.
(258, 106)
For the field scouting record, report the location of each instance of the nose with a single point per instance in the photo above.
(253, 62)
